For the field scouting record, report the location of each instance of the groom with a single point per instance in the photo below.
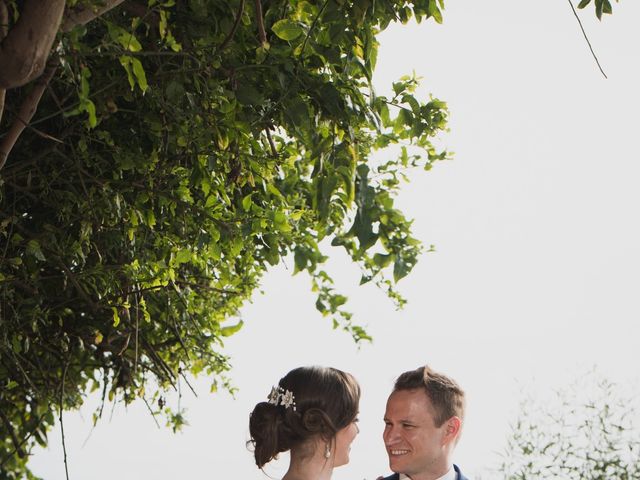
(423, 421)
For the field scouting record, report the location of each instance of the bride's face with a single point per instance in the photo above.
(344, 438)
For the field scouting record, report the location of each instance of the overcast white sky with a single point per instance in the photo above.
(537, 268)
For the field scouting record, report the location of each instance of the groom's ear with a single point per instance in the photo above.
(452, 429)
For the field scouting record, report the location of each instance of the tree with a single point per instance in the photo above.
(585, 431)
(178, 151)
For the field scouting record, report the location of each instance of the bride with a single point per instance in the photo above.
(313, 413)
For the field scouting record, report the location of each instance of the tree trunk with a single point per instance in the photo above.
(25, 49)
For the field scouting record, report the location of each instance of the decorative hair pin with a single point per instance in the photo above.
(280, 396)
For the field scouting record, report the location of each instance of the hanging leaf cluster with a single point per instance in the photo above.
(602, 6)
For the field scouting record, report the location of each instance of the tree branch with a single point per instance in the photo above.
(274, 150)
(76, 284)
(27, 110)
(4, 29)
(2, 95)
(83, 15)
(234, 28)
(16, 443)
(261, 32)
(64, 445)
(25, 49)
(587, 39)
(142, 11)
(24, 440)
(159, 362)
(4, 20)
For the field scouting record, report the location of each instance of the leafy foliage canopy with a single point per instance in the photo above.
(181, 149)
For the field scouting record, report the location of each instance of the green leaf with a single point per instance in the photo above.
(183, 256)
(287, 29)
(162, 24)
(400, 269)
(434, 11)
(230, 330)
(584, 3)
(382, 260)
(280, 222)
(90, 108)
(248, 95)
(300, 260)
(135, 72)
(271, 188)
(15, 261)
(139, 73)
(296, 215)
(33, 249)
(130, 42)
(246, 202)
(116, 317)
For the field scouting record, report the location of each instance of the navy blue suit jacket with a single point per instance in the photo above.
(459, 475)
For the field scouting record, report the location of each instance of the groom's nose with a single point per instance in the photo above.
(390, 434)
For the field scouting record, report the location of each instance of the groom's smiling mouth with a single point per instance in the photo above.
(396, 452)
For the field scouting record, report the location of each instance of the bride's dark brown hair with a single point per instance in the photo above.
(326, 401)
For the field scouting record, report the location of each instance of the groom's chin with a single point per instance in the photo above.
(396, 464)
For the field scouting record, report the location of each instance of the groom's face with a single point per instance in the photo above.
(415, 445)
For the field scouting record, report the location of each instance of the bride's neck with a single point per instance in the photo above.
(306, 466)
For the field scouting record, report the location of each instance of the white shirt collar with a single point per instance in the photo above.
(450, 475)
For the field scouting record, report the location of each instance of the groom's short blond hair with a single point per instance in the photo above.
(445, 394)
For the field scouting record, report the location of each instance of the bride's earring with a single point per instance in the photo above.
(327, 451)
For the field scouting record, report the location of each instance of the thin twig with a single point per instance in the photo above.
(313, 24)
(18, 364)
(12, 434)
(143, 12)
(169, 375)
(103, 54)
(262, 34)
(24, 440)
(45, 135)
(64, 445)
(188, 384)
(105, 382)
(84, 14)
(153, 415)
(205, 287)
(274, 150)
(179, 337)
(135, 364)
(587, 38)
(76, 284)
(3, 93)
(233, 29)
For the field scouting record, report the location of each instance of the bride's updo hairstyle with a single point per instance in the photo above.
(308, 402)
